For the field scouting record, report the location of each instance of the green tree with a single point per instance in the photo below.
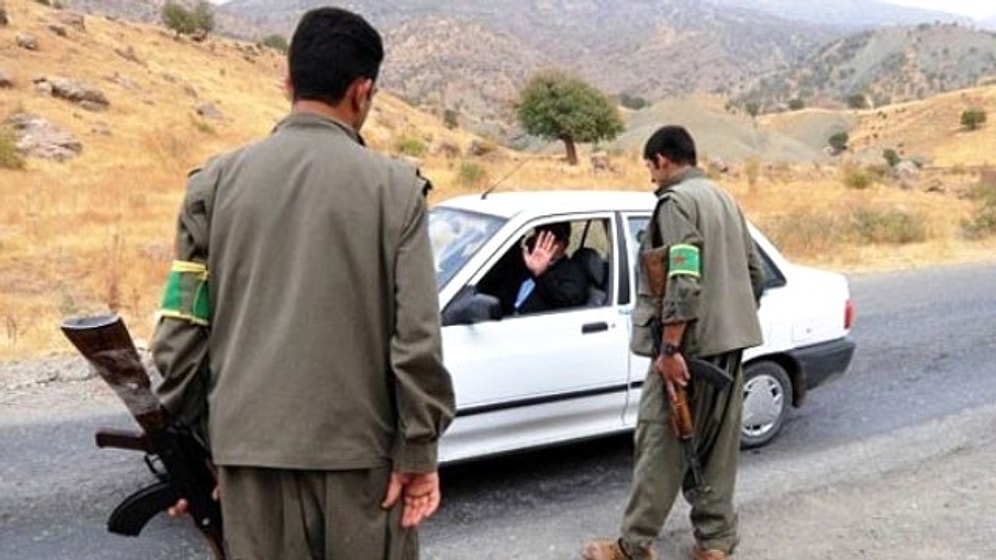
(631, 101)
(178, 18)
(275, 42)
(451, 119)
(187, 22)
(838, 142)
(203, 16)
(857, 101)
(752, 108)
(557, 106)
(891, 157)
(972, 118)
(796, 104)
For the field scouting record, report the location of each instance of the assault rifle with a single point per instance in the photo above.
(105, 342)
(655, 262)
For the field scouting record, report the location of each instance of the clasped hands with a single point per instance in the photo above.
(419, 491)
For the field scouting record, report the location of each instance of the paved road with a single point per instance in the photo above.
(920, 387)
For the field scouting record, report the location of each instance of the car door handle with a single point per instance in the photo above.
(589, 328)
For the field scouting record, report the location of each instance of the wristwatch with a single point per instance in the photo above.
(670, 349)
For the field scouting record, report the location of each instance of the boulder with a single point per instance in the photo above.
(26, 41)
(74, 20)
(36, 137)
(85, 96)
(5, 80)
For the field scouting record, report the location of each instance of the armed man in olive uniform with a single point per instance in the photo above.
(709, 312)
(301, 324)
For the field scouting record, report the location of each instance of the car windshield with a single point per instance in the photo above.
(456, 235)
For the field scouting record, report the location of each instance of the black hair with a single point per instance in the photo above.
(330, 49)
(561, 231)
(672, 142)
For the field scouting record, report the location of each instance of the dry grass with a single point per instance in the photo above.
(95, 233)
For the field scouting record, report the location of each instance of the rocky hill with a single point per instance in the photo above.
(883, 66)
(474, 57)
(847, 13)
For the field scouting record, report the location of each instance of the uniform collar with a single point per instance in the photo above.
(306, 120)
(690, 173)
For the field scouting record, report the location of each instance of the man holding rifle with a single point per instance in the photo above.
(301, 320)
(700, 315)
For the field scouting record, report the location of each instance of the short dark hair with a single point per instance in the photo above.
(673, 142)
(330, 49)
(561, 231)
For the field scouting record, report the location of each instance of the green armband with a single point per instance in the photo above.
(683, 260)
(186, 294)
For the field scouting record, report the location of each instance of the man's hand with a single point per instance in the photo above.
(181, 505)
(420, 492)
(673, 370)
(539, 259)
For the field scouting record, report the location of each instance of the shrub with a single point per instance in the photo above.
(857, 178)
(891, 226)
(634, 102)
(891, 157)
(983, 220)
(857, 101)
(796, 104)
(276, 42)
(451, 119)
(410, 146)
(752, 168)
(972, 118)
(10, 156)
(186, 22)
(838, 141)
(471, 174)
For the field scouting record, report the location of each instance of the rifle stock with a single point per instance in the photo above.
(105, 342)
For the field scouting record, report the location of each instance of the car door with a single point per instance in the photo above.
(528, 380)
(634, 226)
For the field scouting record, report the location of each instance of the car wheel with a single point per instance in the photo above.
(767, 396)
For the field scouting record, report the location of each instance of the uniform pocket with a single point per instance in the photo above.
(642, 339)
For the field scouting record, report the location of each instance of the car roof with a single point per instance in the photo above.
(509, 204)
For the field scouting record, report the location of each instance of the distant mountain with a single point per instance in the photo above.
(474, 57)
(850, 13)
(886, 65)
(149, 11)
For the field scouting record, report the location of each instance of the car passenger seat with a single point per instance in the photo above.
(597, 270)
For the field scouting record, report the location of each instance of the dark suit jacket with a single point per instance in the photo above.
(564, 284)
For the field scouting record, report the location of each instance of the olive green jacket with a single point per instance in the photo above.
(323, 350)
(720, 306)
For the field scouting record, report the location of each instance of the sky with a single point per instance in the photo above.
(979, 9)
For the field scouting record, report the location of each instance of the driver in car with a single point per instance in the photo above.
(553, 281)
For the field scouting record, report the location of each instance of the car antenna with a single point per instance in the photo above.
(493, 186)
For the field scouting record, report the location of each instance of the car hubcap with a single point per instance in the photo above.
(763, 404)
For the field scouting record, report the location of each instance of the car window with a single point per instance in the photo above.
(773, 278)
(637, 225)
(590, 248)
(456, 235)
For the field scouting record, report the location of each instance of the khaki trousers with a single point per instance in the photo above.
(660, 470)
(278, 514)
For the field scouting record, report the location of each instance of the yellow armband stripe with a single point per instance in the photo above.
(683, 260)
(186, 293)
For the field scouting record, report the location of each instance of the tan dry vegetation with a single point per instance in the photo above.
(96, 232)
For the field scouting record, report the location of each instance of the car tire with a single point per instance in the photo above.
(767, 398)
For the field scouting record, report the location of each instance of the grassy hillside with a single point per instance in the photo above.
(95, 232)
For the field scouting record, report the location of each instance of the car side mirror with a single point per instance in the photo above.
(470, 307)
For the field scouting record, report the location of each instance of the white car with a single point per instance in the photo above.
(533, 380)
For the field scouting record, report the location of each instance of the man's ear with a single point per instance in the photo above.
(360, 93)
(288, 88)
